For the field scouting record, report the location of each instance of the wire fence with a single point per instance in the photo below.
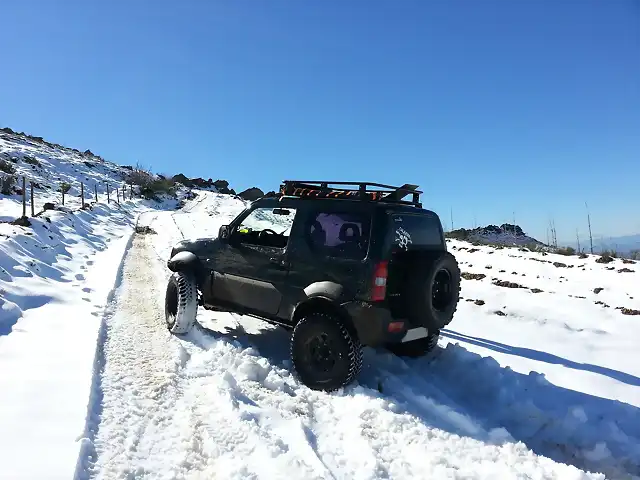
(89, 192)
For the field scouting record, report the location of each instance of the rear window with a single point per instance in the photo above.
(415, 231)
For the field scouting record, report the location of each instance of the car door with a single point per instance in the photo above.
(252, 267)
(332, 245)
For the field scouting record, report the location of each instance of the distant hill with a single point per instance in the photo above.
(623, 245)
(505, 234)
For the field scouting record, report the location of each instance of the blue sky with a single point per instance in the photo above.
(492, 106)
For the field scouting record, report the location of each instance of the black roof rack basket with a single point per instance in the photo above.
(366, 191)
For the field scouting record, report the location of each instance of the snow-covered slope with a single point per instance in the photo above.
(49, 166)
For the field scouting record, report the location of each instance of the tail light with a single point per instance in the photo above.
(379, 283)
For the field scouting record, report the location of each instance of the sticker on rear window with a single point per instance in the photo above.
(403, 238)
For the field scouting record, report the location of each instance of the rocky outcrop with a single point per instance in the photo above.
(251, 194)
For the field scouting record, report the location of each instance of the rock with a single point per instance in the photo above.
(251, 194)
(22, 222)
(500, 313)
(559, 265)
(505, 283)
(625, 270)
(144, 230)
(628, 311)
(536, 290)
(472, 276)
(604, 259)
(600, 302)
(220, 184)
(627, 261)
(583, 255)
(479, 302)
(597, 290)
(49, 206)
(88, 152)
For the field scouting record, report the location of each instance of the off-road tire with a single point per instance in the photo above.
(425, 273)
(347, 352)
(181, 302)
(415, 348)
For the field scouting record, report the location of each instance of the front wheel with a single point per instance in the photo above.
(181, 302)
(326, 355)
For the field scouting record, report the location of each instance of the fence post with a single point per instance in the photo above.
(118, 195)
(33, 213)
(131, 191)
(82, 193)
(124, 192)
(107, 192)
(62, 190)
(95, 186)
(24, 196)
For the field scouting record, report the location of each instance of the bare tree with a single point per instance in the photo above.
(589, 222)
(554, 236)
(451, 212)
(578, 239)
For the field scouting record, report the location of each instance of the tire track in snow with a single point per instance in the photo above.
(160, 419)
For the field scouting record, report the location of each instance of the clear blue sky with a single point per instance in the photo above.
(492, 106)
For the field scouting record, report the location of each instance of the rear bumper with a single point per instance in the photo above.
(372, 323)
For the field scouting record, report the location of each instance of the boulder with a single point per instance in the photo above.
(220, 184)
(49, 206)
(251, 194)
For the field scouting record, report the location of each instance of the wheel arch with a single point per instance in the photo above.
(325, 305)
(187, 262)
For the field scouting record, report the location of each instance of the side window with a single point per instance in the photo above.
(269, 227)
(339, 234)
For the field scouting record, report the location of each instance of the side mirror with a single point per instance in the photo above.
(223, 233)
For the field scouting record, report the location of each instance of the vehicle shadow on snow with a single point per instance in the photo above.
(543, 357)
(478, 398)
(469, 395)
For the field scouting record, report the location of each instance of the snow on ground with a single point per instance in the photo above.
(49, 166)
(549, 390)
(525, 385)
(56, 277)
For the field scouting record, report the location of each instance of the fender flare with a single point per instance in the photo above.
(323, 296)
(329, 290)
(187, 262)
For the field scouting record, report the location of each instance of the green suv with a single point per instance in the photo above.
(344, 265)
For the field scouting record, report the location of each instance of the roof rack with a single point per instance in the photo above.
(366, 191)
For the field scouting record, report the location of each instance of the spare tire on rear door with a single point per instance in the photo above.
(433, 290)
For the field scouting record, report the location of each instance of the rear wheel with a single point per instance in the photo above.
(433, 291)
(324, 352)
(181, 302)
(415, 348)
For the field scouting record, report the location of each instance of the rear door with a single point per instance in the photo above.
(332, 243)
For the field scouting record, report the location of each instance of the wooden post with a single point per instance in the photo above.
(118, 195)
(24, 197)
(107, 192)
(62, 190)
(131, 191)
(124, 192)
(95, 186)
(33, 213)
(82, 193)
